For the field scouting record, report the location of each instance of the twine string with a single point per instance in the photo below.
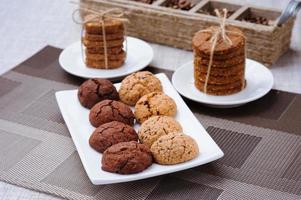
(100, 16)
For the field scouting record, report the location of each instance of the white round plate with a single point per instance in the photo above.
(139, 55)
(259, 82)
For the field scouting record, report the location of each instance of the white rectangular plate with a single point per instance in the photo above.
(77, 120)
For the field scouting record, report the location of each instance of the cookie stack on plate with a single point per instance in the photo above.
(226, 75)
(98, 46)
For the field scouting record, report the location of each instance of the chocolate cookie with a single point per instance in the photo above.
(111, 133)
(110, 110)
(174, 148)
(95, 90)
(154, 104)
(126, 158)
(155, 127)
(138, 84)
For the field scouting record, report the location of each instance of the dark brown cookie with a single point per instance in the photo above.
(110, 110)
(111, 133)
(127, 158)
(95, 90)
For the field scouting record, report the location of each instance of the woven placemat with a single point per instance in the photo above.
(261, 142)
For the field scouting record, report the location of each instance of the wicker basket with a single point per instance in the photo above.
(157, 23)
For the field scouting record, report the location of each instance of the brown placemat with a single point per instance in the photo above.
(261, 142)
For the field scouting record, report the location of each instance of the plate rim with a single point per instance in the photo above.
(232, 103)
(218, 154)
(66, 69)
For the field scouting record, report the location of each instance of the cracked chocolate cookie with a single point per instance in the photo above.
(174, 148)
(95, 90)
(111, 133)
(154, 104)
(110, 110)
(126, 158)
(138, 84)
(155, 127)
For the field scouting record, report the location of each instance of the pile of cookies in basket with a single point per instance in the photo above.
(160, 137)
(103, 44)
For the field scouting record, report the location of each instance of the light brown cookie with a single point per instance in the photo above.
(112, 50)
(221, 57)
(221, 90)
(198, 61)
(138, 84)
(220, 80)
(111, 26)
(155, 127)
(174, 148)
(202, 44)
(154, 104)
(109, 43)
(100, 64)
(99, 38)
(101, 56)
(229, 71)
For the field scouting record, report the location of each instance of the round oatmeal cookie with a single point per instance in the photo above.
(174, 148)
(154, 104)
(138, 84)
(155, 127)
(95, 90)
(110, 110)
(111, 133)
(126, 158)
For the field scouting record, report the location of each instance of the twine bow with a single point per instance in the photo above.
(216, 33)
(100, 16)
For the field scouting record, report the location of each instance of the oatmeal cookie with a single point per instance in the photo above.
(138, 84)
(112, 26)
(154, 104)
(155, 127)
(174, 148)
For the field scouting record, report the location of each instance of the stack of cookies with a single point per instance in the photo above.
(226, 75)
(97, 49)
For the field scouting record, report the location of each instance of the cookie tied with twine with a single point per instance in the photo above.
(107, 26)
(219, 47)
